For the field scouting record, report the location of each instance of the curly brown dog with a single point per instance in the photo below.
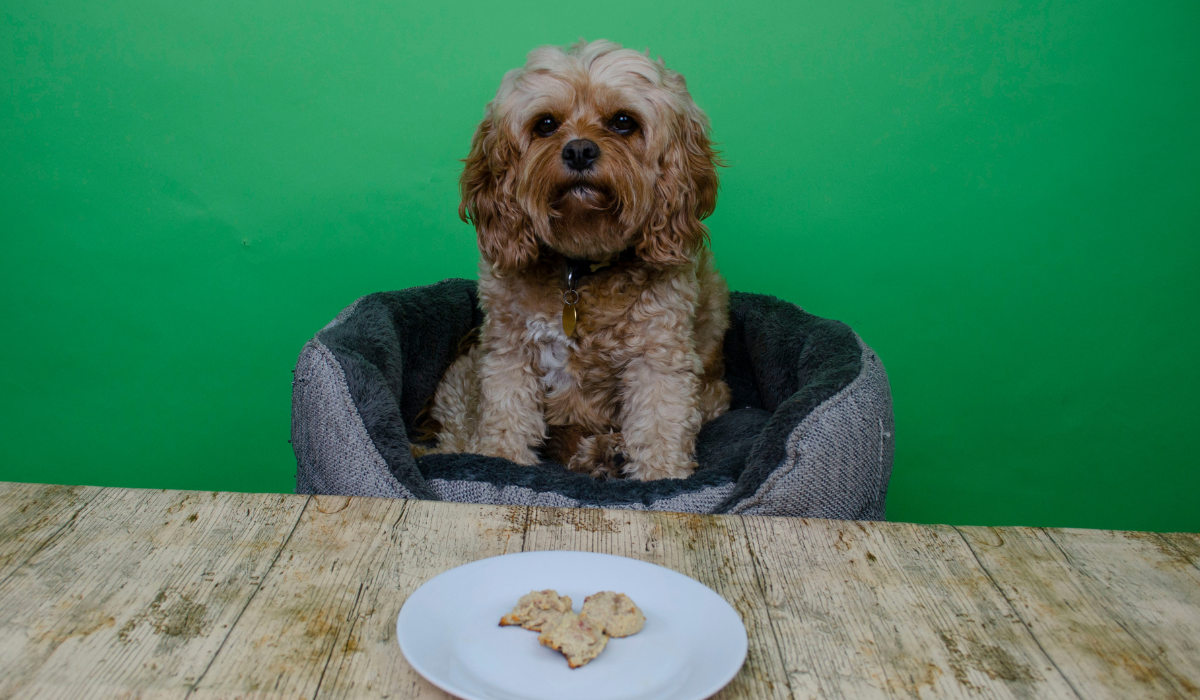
(587, 183)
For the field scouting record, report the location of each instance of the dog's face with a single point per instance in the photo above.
(587, 152)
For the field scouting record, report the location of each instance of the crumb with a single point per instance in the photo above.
(538, 610)
(614, 612)
(578, 638)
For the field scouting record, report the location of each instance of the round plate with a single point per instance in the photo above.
(692, 645)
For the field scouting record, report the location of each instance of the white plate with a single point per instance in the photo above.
(692, 645)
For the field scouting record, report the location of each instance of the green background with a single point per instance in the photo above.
(1003, 199)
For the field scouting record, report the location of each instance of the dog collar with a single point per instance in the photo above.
(575, 270)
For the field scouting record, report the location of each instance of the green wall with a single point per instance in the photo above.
(1003, 199)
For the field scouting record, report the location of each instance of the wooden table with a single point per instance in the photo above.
(122, 593)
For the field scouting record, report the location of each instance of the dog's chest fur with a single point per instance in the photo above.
(580, 375)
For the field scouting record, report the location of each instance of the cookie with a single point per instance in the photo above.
(576, 637)
(614, 612)
(538, 609)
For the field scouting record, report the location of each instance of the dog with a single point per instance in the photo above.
(587, 183)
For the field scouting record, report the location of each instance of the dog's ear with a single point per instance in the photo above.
(686, 192)
(488, 184)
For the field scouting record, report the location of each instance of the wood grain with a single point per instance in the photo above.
(1187, 543)
(710, 549)
(31, 515)
(169, 594)
(879, 610)
(323, 625)
(1150, 587)
(136, 595)
(1119, 613)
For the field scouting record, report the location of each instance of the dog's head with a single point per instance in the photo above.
(589, 151)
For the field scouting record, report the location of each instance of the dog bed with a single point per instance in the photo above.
(809, 431)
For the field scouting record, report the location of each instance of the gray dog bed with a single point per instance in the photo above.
(808, 433)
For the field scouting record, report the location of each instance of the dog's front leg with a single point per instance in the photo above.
(660, 415)
(510, 405)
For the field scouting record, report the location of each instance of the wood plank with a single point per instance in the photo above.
(324, 623)
(882, 610)
(137, 593)
(1118, 612)
(157, 594)
(710, 549)
(1151, 587)
(1187, 543)
(31, 515)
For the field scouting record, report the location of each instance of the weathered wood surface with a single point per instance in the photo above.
(324, 624)
(1117, 612)
(170, 594)
(880, 610)
(137, 593)
(31, 515)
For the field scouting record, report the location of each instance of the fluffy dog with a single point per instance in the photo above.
(587, 183)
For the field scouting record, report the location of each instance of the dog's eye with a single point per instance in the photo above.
(622, 124)
(545, 126)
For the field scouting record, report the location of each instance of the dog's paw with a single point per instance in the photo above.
(643, 471)
(599, 456)
(525, 457)
(522, 455)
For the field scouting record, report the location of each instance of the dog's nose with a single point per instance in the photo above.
(580, 154)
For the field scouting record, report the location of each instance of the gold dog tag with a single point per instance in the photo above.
(569, 319)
